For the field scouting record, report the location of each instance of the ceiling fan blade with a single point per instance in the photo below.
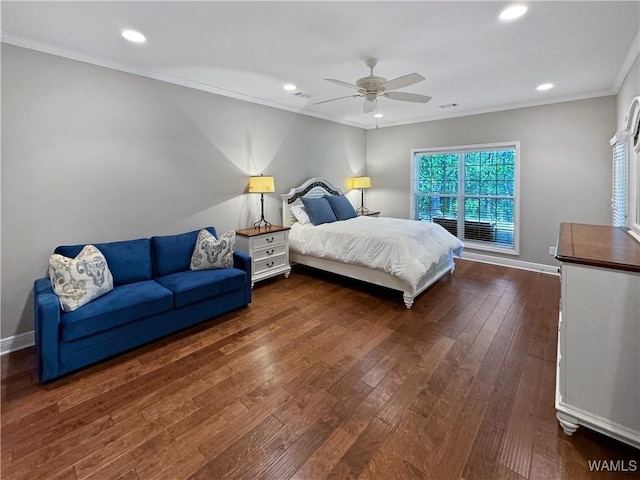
(340, 82)
(369, 106)
(402, 82)
(407, 97)
(339, 98)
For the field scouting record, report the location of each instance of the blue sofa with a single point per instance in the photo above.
(154, 294)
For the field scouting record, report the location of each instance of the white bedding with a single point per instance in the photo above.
(406, 249)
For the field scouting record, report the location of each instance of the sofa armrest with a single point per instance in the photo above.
(46, 313)
(242, 261)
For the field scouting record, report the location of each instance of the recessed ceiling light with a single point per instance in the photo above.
(378, 115)
(512, 12)
(134, 36)
(544, 86)
(289, 87)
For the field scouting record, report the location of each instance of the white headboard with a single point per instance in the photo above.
(314, 187)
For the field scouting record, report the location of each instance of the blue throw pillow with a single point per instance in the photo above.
(319, 210)
(341, 207)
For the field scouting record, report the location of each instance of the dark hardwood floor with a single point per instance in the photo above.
(320, 377)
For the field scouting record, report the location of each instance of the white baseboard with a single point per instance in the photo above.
(511, 262)
(17, 342)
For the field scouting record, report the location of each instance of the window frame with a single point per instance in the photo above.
(633, 159)
(630, 138)
(460, 196)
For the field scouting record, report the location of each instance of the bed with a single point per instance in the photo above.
(430, 246)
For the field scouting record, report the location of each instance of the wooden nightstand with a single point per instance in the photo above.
(268, 249)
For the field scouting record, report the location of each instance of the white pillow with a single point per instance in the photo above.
(300, 213)
(77, 281)
(213, 253)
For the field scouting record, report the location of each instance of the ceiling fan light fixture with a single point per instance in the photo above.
(512, 12)
(134, 36)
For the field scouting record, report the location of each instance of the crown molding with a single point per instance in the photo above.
(72, 55)
(632, 54)
(502, 108)
(65, 53)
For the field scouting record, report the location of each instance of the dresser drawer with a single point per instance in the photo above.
(268, 240)
(269, 252)
(267, 264)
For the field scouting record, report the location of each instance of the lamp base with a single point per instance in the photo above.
(362, 210)
(261, 222)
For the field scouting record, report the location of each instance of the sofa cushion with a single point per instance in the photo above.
(77, 281)
(129, 261)
(123, 304)
(172, 253)
(192, 286)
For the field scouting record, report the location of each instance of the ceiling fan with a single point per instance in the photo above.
(372, 87)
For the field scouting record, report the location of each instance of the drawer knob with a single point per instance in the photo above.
(270, 252)
(270, 264)
(269, 240)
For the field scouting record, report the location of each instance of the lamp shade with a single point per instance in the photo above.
(361, 182)
(261, 184)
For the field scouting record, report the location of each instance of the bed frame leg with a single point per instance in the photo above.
(408, 300)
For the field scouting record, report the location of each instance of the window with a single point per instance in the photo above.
(625, 200)
(471, 191)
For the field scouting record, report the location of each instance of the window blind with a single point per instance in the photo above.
(619, 196)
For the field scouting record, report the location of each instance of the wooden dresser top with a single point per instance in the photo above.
(599, 246)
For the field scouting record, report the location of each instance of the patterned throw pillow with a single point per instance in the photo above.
(213, 253)
(77, 281)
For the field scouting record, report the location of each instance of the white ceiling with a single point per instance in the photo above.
(248, 50)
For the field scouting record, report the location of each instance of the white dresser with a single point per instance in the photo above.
(268, 249)
(598, 371)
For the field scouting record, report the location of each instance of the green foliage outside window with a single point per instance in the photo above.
(487, 190)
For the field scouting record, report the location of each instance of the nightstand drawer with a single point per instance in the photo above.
(267, 264)
(268, 240)
(269, 252)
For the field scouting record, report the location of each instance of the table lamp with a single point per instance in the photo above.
(362, 183)
(261, 184)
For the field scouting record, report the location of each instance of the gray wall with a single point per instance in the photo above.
(91, 154)
(629, 89)
(565, 173)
